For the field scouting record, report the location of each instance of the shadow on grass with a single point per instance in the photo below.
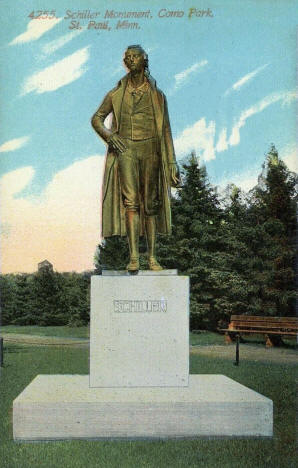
(15, 349)
(286, 344)
(283, 344)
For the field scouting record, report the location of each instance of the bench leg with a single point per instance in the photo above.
(236, 363)
(273, 340)
(1, 352)
(228, 338)
(269, 343)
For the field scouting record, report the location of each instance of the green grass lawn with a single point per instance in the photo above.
(206, 338)
(276, 381)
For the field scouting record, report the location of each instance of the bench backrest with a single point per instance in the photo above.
(258, 322)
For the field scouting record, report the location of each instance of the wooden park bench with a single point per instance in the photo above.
(1, 352)
(274, 328)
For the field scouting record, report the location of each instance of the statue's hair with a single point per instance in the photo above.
(145, 55)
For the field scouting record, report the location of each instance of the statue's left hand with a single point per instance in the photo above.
(174, 175)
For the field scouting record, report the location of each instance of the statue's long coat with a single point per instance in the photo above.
(113, 212)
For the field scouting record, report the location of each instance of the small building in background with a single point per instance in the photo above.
(45, 265)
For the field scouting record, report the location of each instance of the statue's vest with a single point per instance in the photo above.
(137, 120)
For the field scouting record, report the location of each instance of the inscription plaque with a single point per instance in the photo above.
(140, 306)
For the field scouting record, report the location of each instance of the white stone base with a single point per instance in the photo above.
(139, 331)
(65, 407)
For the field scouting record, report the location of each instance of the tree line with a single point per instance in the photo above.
(45, 298)
(237, 248)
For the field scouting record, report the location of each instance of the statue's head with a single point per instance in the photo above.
(136, 59)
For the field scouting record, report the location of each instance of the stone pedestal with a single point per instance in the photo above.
(65, 407)
(139, 384)
(139, 331)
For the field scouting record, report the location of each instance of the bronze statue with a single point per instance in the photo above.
(140, 164)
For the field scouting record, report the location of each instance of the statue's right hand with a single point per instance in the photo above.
(116, 142)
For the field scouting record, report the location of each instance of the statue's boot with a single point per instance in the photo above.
(133, 235)
(150, 226)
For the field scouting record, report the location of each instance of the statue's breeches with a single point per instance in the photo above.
(139, 168)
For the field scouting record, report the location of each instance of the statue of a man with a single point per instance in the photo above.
(140, 164)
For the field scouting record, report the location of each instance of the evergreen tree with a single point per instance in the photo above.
(8, 291)
(50, 300)
(202, 248)
(111, 254)
(241, 236)
(23, 300)
(273, 209)
(76, 291)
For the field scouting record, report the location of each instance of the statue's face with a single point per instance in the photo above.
(134, 60)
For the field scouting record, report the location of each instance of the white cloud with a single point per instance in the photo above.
(289, 97)
(182, 76)
(201, 136)
(247, 180)
(222, 143)
(14, 144)
(13, 182)
(290, 157)
(235, 136)
(285, 96)
(59, 74)
(198, 137)
(35, 29)
(236, 86)
(52, 46)
(61, 225)
(148, 50)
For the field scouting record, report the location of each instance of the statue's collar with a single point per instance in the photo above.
(124, 80)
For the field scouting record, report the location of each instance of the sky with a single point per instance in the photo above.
(229, 77)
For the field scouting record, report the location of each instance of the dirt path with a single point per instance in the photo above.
(43, 340)
(248, 352)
